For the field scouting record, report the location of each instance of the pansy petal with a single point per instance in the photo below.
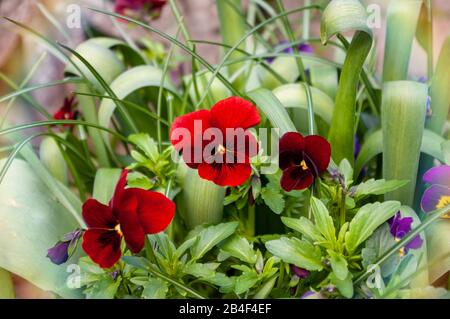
(438, 175)
(102, 246)
(318, 151)
(234, 112)
(97, 215)
(224, 174)
(293, 142)
(296, 178)
(415, 243)
(58, 254)
(130, 224)
(434, 197)
(187, 130)
(289, 158)
(154, 210)
(120, 187)
(399, 226)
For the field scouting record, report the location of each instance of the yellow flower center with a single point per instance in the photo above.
(118, 230)
(401, 251)
(303, 165)
(444, 201)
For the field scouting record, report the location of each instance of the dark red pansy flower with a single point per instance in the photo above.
(218, 142)
(302, 159)
(129, 7)
(131, 214)
(66, 111)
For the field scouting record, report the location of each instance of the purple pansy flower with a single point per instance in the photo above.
(59, 253)
(438, 194)
(399, 228)
(310, 294)
(304, 48)
(300, 272)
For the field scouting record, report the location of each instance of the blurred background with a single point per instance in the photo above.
(19, 52)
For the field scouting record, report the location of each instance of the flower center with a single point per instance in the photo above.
(443, 201)
(303, 165)
(118, 230)
(221, 149)
(401, 251)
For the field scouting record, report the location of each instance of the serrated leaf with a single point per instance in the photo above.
(207, 270)
(240, 248)
(155, 289)
(367, 220)
(274, 199)
(378, 187)
(144, 142)
(338, 264)
(210, 237)
(303, 226)
(245, 281)
(294, 251)
(323, 220)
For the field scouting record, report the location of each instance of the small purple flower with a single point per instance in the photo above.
(438, 194)
(399, 228)
(300, 272)
(59, 253)
(304, 48)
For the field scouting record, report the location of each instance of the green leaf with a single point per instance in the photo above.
(155, 289)
(403, 118)
(344, 286)
(105, 184)
(338, 264)
(446, 152)
(367, 220)
(146, 144)
(303, 226)
(376, 246)
(341, 16)
(7, 286)
(439, 92)
(373, 146)
(210, 237)
(264, 291)
(240, 248)
(28, 209)
(273, 198)
(377, 187)
(246, 281)
(51, 156)
(346, 170)
(272, 108)
(207, 270)
(323, 220)
(294, 96)
(294, 251)
(402, 17)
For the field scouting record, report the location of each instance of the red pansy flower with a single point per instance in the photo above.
(302, 159)
(217, 142)
(152, 6)
(66, 111)
(131, 214)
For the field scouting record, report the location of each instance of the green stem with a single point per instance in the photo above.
(6, 286)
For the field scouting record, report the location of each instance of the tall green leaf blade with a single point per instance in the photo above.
(105, 184)
(32, 221)
(402, 17)
(7, 285)
(341, 16)
(403, 119)
(267, 102)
